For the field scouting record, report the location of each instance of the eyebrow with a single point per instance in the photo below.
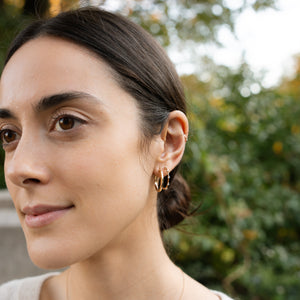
(6, 114)
(48, 102)
(57, 99)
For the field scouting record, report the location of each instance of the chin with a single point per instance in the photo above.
(49, 261)
(48, 257)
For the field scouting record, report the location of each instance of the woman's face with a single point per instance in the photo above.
(73, 164)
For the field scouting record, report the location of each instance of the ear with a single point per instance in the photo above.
(173, 136)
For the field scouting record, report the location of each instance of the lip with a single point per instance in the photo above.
(42, 215)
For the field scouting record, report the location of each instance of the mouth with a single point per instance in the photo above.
(42, 215)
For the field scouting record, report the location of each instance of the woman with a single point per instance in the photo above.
(93, 126)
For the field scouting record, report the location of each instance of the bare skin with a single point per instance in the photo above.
(83, 154)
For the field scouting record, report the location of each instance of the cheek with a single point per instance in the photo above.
(114, 176)
(113, 165)
(110, 186)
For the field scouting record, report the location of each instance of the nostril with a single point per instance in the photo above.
(31, 180)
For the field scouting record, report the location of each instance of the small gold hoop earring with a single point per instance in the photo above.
(162, 182)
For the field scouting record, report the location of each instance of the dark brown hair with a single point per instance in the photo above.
(141, 68)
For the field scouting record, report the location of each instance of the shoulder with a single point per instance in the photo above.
(222, 296)
(23, 289)
(195, 290)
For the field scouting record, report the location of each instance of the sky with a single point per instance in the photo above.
(267, 40)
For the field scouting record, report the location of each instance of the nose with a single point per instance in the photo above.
(26, 165)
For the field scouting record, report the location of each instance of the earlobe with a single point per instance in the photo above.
(174, 136)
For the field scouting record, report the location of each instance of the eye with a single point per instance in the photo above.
(8, 136)
(66, 122)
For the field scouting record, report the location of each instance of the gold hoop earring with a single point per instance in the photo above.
(162, 182)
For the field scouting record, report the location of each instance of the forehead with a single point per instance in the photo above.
(47, 65)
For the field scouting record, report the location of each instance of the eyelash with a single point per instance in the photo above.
(54, 121)
(2, 132)
(60, 115)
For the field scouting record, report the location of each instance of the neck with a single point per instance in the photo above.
(135, 266)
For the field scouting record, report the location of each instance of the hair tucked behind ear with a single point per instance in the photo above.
(141, 68)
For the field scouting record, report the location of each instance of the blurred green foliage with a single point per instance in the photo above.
(244, 165)
(242, 158)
